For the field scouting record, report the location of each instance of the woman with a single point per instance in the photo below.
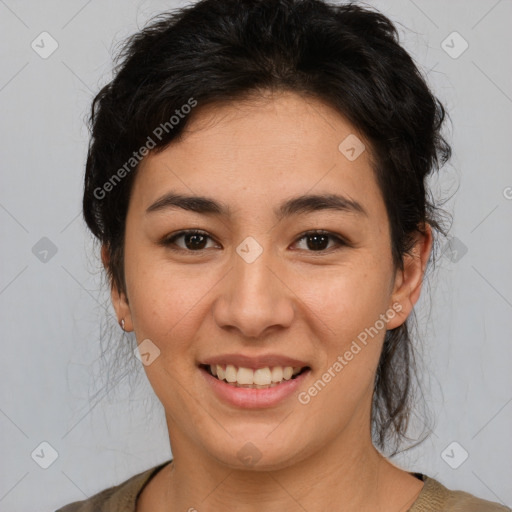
(257, 179)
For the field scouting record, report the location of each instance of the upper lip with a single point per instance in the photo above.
(261, 361)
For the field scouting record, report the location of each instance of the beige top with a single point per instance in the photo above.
(433, 497)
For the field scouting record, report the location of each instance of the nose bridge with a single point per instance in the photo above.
(252, 274)
(255, 299)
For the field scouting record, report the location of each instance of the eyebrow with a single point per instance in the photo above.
(294, 206)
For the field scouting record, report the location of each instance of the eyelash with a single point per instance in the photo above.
(169, 241)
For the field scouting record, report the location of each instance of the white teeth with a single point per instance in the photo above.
(245, 376)
(277, 374)
(287, 373)
(263, 377)
(231, 373)
(259, 378)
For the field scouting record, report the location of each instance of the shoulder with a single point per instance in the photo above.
(118, 498)
(435, 497)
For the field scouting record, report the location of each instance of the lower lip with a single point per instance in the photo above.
(252, 398)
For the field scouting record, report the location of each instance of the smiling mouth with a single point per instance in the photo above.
(260, 378)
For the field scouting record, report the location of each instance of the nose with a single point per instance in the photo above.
(254, 297)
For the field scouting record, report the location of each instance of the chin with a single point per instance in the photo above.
(258, 454)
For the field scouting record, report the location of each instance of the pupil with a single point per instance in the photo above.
(316, 239)
(194, 236)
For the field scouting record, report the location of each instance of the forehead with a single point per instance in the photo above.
(258, 151)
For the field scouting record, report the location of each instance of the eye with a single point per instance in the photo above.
(194, 240)
(316, 240)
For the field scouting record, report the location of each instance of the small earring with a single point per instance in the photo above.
(122, 324)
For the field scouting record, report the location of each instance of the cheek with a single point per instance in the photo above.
(350, 306)
(348, 299)
(166, 301)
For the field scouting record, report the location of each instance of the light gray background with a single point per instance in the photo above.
(52, 312)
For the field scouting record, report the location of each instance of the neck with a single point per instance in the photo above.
(340, 476)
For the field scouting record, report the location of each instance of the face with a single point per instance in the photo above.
(259, 286)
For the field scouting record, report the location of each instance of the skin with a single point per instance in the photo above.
(292, 300)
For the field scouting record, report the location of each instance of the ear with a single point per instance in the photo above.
(119, 300)
(408, 282)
